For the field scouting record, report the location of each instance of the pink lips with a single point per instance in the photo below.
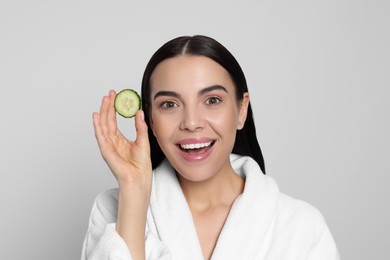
(196, 156)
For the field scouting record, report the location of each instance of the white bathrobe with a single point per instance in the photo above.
(263, 223)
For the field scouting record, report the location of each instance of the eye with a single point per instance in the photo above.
(168, 105)
(213, 101)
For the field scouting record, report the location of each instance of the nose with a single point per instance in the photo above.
(192, 120)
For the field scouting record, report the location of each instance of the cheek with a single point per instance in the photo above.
(162, 126)
(225, 120)
(157, 126)
(224, 125)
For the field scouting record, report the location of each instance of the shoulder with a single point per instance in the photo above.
(293, 206)
(298, 216)
(105, 206)
(302, 229)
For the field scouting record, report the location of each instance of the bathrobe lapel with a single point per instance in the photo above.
(245, 228)
(250, 216)
(172, 215)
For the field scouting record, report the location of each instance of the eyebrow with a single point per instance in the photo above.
(200, 93)
(211, 88)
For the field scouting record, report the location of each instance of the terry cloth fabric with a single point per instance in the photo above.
(263, 223)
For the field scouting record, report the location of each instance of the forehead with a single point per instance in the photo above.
(187, 71)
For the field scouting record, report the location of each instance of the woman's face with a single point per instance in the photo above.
(195, 115)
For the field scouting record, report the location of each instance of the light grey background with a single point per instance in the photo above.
(318, 73)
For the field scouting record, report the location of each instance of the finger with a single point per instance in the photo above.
(112, 123)
(104, 114)
(98, 129)
(142, 138)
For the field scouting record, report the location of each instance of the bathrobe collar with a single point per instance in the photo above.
(245, 227)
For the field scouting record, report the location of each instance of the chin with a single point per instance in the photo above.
(194, 177)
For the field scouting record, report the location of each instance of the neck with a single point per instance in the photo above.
(220, 190)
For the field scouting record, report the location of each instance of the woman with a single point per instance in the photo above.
(191, 186)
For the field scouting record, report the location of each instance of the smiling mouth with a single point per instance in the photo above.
(196, 148)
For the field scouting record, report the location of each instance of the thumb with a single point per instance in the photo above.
(141, 127)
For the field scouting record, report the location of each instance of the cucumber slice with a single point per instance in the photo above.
(127, 102)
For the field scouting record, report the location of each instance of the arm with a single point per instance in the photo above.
(103, 242)
(325, 248)
(130, 163)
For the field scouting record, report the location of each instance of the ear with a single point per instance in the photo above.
(243, 112)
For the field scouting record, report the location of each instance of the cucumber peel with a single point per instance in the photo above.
(127, 102)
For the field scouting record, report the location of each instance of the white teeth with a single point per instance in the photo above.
(195, 146)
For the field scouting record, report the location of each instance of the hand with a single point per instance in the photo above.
(131, 165)
(129, 161)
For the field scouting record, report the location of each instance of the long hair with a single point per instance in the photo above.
(246, 142)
